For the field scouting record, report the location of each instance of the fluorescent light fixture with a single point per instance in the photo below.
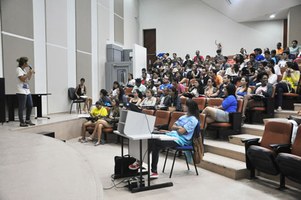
(272, 16)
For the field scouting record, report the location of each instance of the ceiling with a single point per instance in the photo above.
(253, 10)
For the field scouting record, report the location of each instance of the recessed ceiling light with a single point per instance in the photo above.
(272, 16)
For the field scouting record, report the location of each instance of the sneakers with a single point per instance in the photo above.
(154, 175)
(135, 165)
(97, 143)
(81, 140)
(23, 124)
(29, 122)
(279, 109)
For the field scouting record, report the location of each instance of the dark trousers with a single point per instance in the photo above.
(24, 100)
(155, 147)
(280, 89)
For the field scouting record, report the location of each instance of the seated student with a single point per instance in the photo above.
(182, 129)
(175, 100)
(243, 89)
(139, 86)
(288, 83)
(103, 97)
(264, 89)
(137, 97)
(106, 122)
(210, 89)
(121, 96)
(81, 92)
(96, 113)
(165, 99)
(194, 90)
(149, 100)
(113, 92)
(221, 113)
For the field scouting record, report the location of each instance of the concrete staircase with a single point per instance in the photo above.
(228, 157)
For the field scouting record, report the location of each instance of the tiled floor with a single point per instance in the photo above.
(99, 164)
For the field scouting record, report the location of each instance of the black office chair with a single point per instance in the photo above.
(183, 149)
(74, 99)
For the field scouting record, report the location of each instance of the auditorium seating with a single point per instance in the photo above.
(201, 101)
(231, 127)
(260, 155)
(162, 119)
(289, 160)
(258, 113)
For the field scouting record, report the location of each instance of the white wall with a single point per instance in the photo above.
(185, 26)
(139, 60)
(294, 27)
(131, 23)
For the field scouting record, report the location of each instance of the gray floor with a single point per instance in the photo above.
(100, 162)
(207, 185)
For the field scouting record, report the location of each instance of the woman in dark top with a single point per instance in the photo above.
(81, 93)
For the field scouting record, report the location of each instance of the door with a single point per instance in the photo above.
(149, 42)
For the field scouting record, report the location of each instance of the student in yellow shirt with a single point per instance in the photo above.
(98, 112)
(288, 83)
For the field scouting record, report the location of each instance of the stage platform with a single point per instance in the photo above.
(34, 166)
(66, 126)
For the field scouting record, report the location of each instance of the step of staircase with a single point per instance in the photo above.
(252, 129)
(297, 106)
(228, 167)
(236, 139)
(284, 113)
(226, 149)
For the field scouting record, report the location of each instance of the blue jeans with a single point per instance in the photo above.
(24, 100)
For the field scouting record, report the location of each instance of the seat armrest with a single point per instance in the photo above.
(235, 120)
(281, 148)
(249, 142)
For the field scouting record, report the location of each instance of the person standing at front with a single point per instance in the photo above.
(24, 74)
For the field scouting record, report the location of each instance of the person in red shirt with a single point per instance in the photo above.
(198, 58)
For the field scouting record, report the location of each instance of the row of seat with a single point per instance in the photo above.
(275, 154)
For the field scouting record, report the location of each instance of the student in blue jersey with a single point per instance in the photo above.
(221, 113)
(182, 129)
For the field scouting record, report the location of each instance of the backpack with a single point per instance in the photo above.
(198, 146)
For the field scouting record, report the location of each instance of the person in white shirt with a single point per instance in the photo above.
(24, 73)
